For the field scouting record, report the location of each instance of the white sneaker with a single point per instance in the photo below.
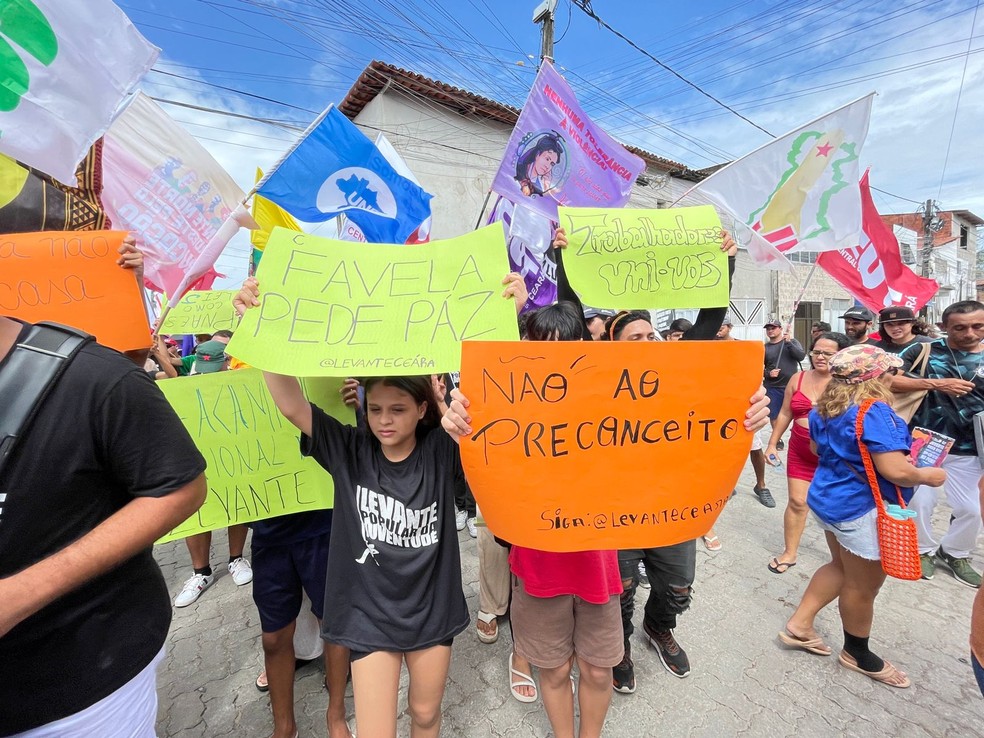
(242, 572)
(460, 516)
(472, 530)
(193, 589)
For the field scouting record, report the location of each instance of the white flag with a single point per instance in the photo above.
(796, 193)
(159, 182)
(67, 68)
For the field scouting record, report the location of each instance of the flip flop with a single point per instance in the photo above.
(813, 645)
(261, 682)
(775, 564)
(712, 543)
(489, 619)
(525, 680)
(884, 676)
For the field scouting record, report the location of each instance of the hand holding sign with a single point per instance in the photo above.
(611, 445)
(330, 308)
(641, 259)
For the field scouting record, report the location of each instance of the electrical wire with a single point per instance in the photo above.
(956, 109)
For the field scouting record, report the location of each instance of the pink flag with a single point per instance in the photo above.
(873, 271)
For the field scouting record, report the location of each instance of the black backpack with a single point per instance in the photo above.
(31, 369)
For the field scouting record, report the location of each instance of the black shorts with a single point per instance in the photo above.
(279, 575)
(356, 655)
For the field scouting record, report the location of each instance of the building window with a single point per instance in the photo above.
(803, 257)
(964, 236)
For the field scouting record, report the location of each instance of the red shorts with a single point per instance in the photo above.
(801, 462)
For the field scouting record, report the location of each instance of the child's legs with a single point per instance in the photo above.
(198, 548)
(598, 644)
(428, 676)
(376, 686)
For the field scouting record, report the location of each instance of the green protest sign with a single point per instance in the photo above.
(255, 468)
(333, 308)
(205, 311)
(646, 259)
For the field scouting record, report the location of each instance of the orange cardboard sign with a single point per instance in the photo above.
(580, 446)
(72, 278)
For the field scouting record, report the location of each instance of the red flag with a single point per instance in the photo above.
(873, 272)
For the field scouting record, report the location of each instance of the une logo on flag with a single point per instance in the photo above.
(356, 188)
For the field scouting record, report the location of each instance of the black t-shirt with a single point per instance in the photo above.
(103, 436)
(943, 413)
(394, 571)
(894, 348)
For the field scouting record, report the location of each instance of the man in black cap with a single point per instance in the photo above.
(818, 328)
(783, 355)
(857, 323)
(594, 320)
(899, 330)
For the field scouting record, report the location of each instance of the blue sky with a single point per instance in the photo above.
(777, 63)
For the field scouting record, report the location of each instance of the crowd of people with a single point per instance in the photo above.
(389, 596)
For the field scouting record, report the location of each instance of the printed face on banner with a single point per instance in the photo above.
(204, 311)
(606, 445)
(73, 278)
(255, 468)
(332, 308)
(557, 155)
(641, 259)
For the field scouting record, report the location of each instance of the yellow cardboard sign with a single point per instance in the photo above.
(201, 311)
(333, 308)
(646, 259)
(255, 468)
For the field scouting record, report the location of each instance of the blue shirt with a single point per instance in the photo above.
(840, 490)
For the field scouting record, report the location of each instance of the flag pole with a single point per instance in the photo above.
(307, 132)
(481, 213)
(796, 304)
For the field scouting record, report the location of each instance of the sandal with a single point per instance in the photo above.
(261, 682)
(712, 543)
(524, 680)
(888, 675)
(489, 619)
(780, 567)
(813, 645)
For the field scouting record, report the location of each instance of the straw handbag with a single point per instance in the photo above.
(897, 539)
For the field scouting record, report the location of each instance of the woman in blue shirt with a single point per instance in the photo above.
(841, 498)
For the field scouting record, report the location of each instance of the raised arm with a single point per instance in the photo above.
(709, 320)
(566, 293)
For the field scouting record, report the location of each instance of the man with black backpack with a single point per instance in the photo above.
(94, 467)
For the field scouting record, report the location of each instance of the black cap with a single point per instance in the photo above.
(859, 312)
(590, 313)
(896, 314)
(772, 323)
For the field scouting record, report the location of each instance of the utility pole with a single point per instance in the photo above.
(931, 225)
(544, 15)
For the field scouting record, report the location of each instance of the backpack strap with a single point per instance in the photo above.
(27, 376)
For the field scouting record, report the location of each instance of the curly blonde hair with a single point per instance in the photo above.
(839, 396)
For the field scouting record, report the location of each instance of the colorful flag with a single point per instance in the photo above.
(557, 156)
(333, 170)
(796, 193)
(268, 215)
(873, 272)
(31, 200)
(67, 68)
(162, 184)
(529, 235)
(349, 231)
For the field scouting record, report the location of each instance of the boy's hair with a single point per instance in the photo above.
(616, 324)
(559, 322)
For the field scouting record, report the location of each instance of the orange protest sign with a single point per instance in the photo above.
(72, 278)
(581, 446)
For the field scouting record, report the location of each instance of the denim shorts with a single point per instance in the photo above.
(858, 536)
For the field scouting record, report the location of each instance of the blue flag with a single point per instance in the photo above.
(336, 170)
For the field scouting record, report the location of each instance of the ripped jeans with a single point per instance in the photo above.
(671, 575)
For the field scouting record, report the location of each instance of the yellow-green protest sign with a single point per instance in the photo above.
(201, 311)
(255, 468)
(333, 308)
(646, 259)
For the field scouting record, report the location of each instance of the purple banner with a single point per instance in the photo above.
(528, 237)
(557, 156)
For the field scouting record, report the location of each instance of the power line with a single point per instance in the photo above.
(585, 5)
(956, 109)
